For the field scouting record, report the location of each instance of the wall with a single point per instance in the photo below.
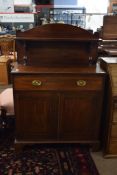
(7, 6)
(95, 10)
(65, 2)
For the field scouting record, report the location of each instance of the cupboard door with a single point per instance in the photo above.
(36, 115)
(80, 116)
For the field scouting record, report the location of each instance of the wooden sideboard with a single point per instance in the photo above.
(108, 43)
(58, 89)
(5, 68)
(110, 124)
(109, 26)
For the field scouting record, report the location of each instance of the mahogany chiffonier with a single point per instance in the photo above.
(58, 90)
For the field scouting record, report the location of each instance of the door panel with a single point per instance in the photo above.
(36, 115)
(80, 116)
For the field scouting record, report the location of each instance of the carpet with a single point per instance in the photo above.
(47, 159)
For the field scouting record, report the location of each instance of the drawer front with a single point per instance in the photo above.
(58, 83)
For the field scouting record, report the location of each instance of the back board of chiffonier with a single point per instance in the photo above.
(56, 45)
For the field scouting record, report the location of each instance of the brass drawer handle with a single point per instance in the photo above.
(36, 83)
(81, 83)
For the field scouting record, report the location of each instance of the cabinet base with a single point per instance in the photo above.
(94, 146)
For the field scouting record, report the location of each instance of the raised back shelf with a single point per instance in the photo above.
(56, 45)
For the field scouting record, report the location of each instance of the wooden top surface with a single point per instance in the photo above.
(20, 69)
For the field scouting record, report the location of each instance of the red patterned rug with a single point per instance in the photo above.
(46, 160)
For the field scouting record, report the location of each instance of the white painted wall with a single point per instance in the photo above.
(22, 2)
(7, 6)
(94, 6)
(94, 21)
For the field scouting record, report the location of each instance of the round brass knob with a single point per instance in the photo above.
(81, 83)
(36, 83)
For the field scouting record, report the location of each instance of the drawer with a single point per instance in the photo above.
(114, 131)
(58, 83)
